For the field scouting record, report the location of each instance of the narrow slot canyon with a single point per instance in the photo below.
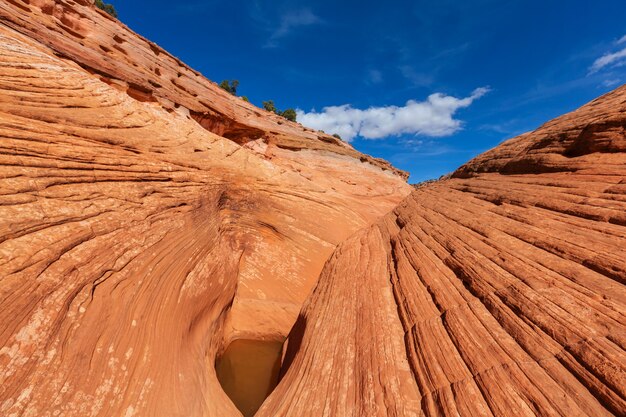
(248, 371)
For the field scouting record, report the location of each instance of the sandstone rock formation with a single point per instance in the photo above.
(135, 243)
(498, 292)
(147, 218)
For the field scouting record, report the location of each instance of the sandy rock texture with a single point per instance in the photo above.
(82, 35)
(498, 292)
(135, 242)
(104, 46)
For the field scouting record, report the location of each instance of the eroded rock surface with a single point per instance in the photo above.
(499, 292)
(147, 218)
(135, 243)
(76, 30)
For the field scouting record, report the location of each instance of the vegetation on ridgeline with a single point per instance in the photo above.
(289, 114)
(230, 86)
(269, 106)
(107, 7)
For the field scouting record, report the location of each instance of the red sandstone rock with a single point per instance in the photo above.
(104, 46)
(80, 33)
(595, 130)
(500, 292)
(147, 218)
(134, 243)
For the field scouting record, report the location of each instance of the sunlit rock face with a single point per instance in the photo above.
(498, 292)
(148, 219)
(336, 183)
(135, 241)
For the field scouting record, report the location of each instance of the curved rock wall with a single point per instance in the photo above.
(147, 218)
(491, 295)
(77, 30)
(134, 244)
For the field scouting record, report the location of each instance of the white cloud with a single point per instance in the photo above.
(433, 117)
(290, 21)
(614, 59)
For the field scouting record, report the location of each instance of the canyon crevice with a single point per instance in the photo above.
(148, 219)
(496, 292)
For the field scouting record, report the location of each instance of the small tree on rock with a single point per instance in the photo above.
(107, 7)
(230, 86)
(289, 114)
(269, 106)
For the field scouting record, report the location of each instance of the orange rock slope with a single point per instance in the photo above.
(498, 292)
(135, 243)
(147, 218)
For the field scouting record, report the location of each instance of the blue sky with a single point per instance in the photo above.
(426, 85)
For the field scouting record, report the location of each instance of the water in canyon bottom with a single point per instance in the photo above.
(248, 372)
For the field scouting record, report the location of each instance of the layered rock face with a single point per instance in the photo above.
(76, 30)
(135, 243)
(79, 33)
(498, 292)
(148, 218)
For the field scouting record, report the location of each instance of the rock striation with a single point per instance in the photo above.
(135, 243)
(77, 31)
(148, 218)
(497, 292)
